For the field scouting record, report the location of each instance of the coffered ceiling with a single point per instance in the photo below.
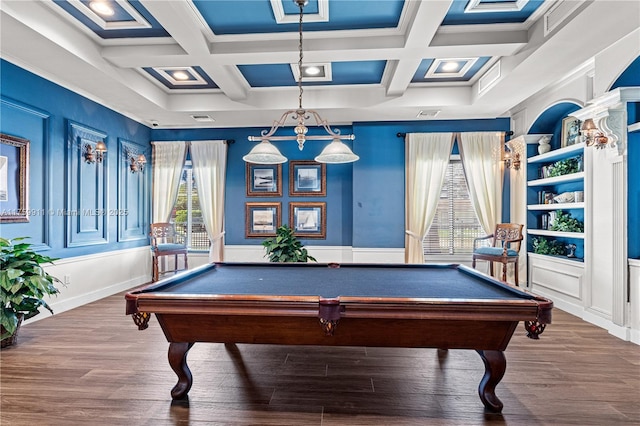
(234, 63)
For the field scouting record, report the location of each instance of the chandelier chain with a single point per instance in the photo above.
(301, 5)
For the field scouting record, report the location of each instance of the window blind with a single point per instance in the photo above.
(455, 224)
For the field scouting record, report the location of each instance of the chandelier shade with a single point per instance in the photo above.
(335, 152)
(264, 153)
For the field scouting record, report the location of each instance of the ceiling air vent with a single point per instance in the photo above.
(203, 118)
(428, 113)
(558, 14)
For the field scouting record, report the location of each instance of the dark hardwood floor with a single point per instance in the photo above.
(91, 366)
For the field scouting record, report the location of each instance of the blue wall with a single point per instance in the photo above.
(36, 109)
(365, 199)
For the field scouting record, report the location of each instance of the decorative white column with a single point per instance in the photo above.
(607, 249)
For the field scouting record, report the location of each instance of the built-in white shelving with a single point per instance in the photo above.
(556, 206)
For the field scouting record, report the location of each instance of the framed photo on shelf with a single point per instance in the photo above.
(307, 178)
(570, 131)
(262, 219)
(308, 220)
(264, 180)
(14, 179)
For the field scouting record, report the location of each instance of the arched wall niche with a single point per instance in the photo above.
(550, 121)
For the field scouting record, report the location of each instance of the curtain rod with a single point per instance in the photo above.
(402, 135)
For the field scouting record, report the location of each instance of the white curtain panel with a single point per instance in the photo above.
(481, 155)
(168, 161)
(209, 160)
(426, 160)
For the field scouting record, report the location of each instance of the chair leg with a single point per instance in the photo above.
(154, 273)
(491, 268)
(186, 261)
(504, 272)
(515, 273)
(473, 263)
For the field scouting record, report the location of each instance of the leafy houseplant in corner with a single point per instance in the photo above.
(285, 247)
(23, 285)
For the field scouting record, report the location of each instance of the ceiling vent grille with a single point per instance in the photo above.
(203, 118)
(558, 14)
(428, 113)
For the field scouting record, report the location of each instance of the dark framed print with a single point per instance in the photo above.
(14, 179)
(570, 131)
(307, 178)
(264, 180)
(262, 219)
(308, 220)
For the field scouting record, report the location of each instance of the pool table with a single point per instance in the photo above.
(392, 305)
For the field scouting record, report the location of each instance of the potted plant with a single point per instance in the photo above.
(285, 247)
(23, 285)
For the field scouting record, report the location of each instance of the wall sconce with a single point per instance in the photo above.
(593, 136)
(136, 161)
(94, 154)
(511, 159)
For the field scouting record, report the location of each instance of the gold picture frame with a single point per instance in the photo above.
(262, 219)
(264, 180)
(308, 219)
(307, 178)
(570, 131)
(14, 179)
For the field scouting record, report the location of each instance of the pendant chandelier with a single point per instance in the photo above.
(266, 153)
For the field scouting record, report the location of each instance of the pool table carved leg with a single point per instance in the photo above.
(495, 365)
(178, 362)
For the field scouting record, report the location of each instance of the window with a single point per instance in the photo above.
(455, 224)
(186, 215)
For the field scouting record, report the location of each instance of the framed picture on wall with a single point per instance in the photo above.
(308, 220)
(307, 178)
(264, 180)
(14, 179)
(570, 131)
(262, 219)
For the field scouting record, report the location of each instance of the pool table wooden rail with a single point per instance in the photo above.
(484, 325)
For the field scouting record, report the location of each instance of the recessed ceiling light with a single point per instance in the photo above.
(180, 75)
(313, 70)
(450, 66)
(102, 8)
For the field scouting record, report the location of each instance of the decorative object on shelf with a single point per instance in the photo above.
(561, 167)
(336, 152)
(593, 136)
(548, 247)
(544, 144)
(570, 131)
(285, 247)
(24, 285)
(578, 196)
(565, 197)
(564, 222)
(571, 249)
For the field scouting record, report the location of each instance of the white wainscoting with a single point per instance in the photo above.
(634, 298)
(93, 277)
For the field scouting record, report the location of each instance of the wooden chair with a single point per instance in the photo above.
(505, 248)
(164, 243)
